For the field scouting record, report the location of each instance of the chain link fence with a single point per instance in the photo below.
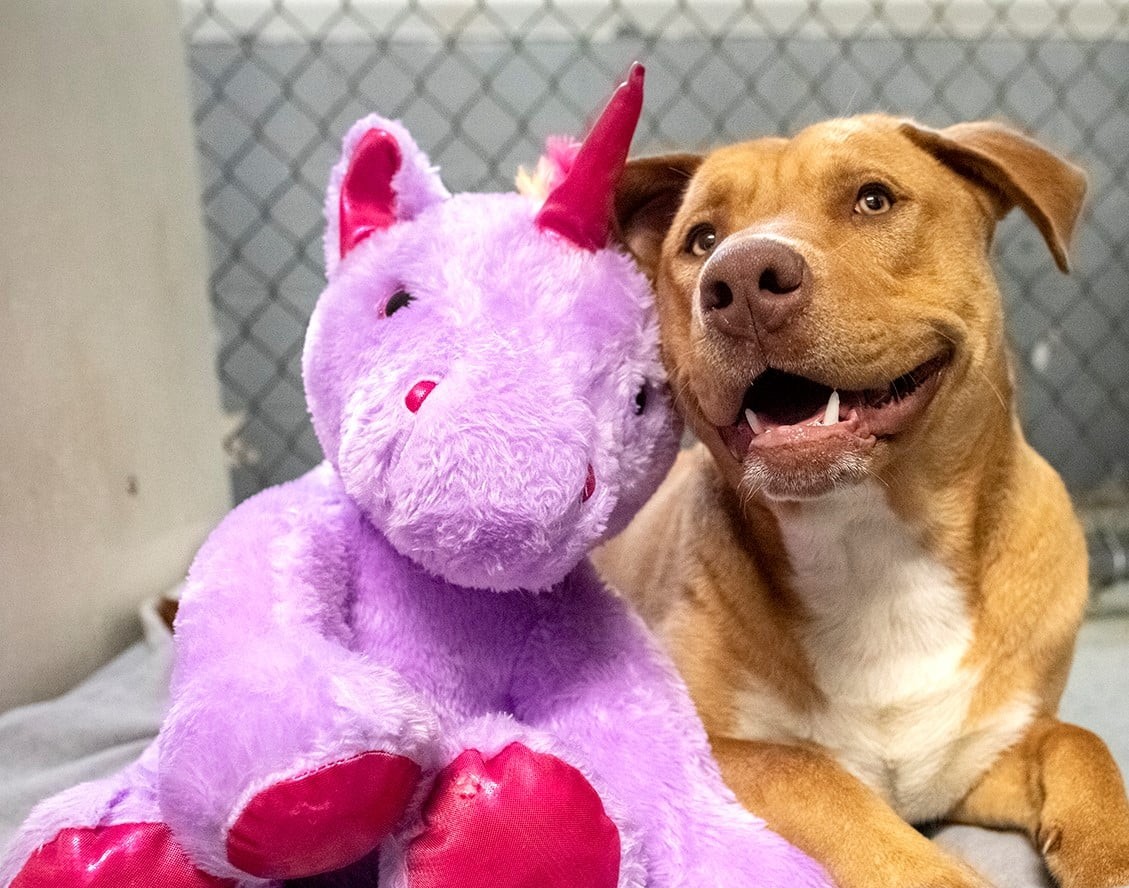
(480, 84)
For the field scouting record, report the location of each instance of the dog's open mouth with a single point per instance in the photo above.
(783, 410)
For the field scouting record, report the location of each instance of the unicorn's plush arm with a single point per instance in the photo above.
(597, 681)
(285, 752)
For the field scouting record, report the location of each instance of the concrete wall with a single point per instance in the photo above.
(111, 470)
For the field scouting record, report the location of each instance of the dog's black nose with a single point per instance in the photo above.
(753, 285)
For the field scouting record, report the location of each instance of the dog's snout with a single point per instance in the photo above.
(716, 295)
(752, 285)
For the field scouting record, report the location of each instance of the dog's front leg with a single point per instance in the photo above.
(1061, 785)
(808, 798)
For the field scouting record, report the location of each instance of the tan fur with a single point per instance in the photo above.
(760, 592)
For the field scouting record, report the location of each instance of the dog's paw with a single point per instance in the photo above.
(522, 819)
(323, 820)
(1086, 859)
(126, 855)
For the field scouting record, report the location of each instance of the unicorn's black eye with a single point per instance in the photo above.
(398, 300)
(641, 401)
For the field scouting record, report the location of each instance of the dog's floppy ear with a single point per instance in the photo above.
(646, 199)
(1013, 171)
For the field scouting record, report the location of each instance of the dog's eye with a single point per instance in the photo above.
(874, 199)
(641, 400)
(702, 239)
(399, 299)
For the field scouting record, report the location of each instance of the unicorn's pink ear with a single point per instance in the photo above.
(382, 178)
(367, 201)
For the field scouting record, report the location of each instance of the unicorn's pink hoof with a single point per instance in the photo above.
(324, 820)
(127, 855)
(523, 819)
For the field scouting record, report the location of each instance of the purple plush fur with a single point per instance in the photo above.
(425, 590)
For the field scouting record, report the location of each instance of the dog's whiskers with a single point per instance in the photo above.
(979, 370)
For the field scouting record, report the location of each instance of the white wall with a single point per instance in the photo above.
(111, 469)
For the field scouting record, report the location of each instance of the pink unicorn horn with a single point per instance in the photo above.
(580, 207)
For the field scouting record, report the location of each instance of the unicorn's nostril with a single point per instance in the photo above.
(419, 392)
(589, 484)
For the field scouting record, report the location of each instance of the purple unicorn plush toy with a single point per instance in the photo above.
(400, 668)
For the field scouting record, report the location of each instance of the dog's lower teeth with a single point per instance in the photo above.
(754, 423)
(831, 414)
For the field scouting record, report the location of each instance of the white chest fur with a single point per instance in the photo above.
(888, 632)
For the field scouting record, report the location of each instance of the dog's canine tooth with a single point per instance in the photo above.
(754, 422)
(831, 414)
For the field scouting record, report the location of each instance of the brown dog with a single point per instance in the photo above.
(869, 580)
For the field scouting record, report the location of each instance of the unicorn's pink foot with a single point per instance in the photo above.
(126, 855)
(523, 819)
(323, 820)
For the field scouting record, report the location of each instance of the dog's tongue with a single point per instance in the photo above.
(817, 433)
